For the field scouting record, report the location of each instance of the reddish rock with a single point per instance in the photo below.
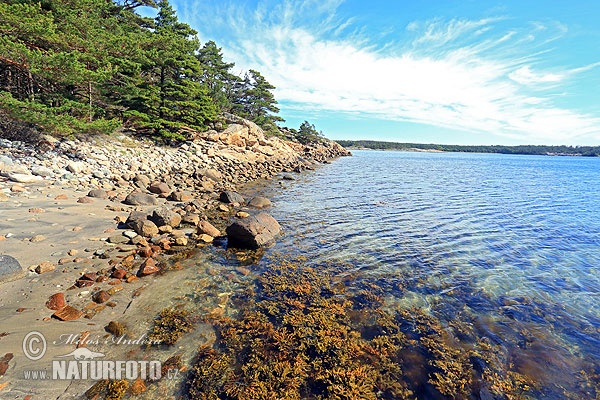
(138, 387)
(85, 200)
(67, 313)
(56, 301)
(145, 252)
(86, 280)
(4, 363)
(119, 273)
(148, 267)
(207, 228)
(101, 297)
(61, 197)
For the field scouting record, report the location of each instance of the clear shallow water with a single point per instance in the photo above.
(511, 241)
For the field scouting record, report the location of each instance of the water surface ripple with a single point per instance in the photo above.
(510, 227)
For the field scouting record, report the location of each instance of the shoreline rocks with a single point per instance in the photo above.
(253, 232)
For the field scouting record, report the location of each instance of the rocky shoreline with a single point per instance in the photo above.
(86, 223)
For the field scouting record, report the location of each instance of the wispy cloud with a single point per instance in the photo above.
(461, 74)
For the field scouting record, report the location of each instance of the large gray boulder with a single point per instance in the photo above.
(253, 232)
(140, 199)
(10, 269)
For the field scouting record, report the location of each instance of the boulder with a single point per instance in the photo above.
(98, 193)
(260, 202)
(207, 228)
(10, 269)
(230, 196)
(140, 199)
(41, 171)
(164, 216)
(160, 188)
(138, 221)
(253, 232)
(76, 167)
(24, 178)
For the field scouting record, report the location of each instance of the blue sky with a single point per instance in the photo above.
(460, 72)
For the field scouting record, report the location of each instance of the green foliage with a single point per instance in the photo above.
(308, 133)
(589, 151)
(254, 100)
(89, 65)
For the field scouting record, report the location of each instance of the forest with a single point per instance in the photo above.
(90, 66)
(587, 151)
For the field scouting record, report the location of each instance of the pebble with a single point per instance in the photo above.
(37, 238)
(45, 267)
(67, 313)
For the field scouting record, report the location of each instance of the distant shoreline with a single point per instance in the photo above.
(544, 150)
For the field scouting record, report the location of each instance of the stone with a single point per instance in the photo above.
(85, 200)
(130, 234)
(37, 238)
(181, 241)
(224, 208)
(24, 178)
(115, 328)
(288, 178)
(165, 216)
(206, 238)
(61, 197)
(160, 188)
(17, 188)
(45, 267)
(242, 214)
(98, 193)
(212, 174)
(143, 180)
(192, 219)
(180, 196)
(67, 313)
(101, 296)
(253, 232)
(73, 252)
(260, 202)
(56, 301)
(37, 210)
(4, 364)
(119, 273)
(140, 199)
(208, 228)
(10, 269)
(141, 225)
(76, 167)
(230, 196)
(118, 239)
(148, 267)
(41, 171)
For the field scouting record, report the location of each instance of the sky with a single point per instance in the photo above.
(452, 72)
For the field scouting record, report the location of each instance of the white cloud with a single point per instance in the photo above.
(454, 74)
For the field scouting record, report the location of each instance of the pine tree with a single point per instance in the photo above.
(217, 77)
(255, 101)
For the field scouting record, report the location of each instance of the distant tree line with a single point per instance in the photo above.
(78, 66)
(588, 151)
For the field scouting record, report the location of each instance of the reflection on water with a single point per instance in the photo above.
(507, 245)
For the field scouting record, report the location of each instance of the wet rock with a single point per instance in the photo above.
(101, 296)
(230, 196)
(148, 267)
(253, 232)
(98, 193)
(165, 216)
(115, 328)
(67, 313)
(4, 363)
(260, 202)
(10, 269)
(208, 228)
(242, 214)
(45, 267)
(140, 199)
(206, 238)
(56, 301)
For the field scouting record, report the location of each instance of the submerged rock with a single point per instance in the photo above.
(253, 232)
